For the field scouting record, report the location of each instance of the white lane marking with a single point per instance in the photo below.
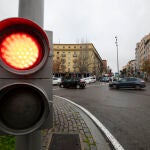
(110, 137)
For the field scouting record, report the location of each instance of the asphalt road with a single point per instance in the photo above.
(125, 113)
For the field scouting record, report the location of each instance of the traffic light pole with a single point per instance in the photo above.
(33, 10)
(29, 142)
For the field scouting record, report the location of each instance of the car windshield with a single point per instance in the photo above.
(122, 80)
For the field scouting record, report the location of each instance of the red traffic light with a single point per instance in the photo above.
(23, 46)
(20, 51)
(25, 68)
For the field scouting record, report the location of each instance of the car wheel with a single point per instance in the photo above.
(77, 86)
(137, 87)
(83, 87)
(115, 86)
(61, 85)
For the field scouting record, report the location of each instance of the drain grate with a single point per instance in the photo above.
(65, 142)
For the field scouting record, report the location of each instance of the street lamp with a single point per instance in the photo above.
(117, 55)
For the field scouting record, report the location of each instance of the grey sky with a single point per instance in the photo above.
(94, 21)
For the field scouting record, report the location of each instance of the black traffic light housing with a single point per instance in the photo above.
(25, 95)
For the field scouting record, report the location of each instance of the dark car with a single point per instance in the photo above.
(72, 83)
(128, 82)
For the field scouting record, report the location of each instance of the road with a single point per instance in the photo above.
(125, 113)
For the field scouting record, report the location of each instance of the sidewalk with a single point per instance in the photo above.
(69, 119)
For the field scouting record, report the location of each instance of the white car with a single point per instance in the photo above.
(87, 80)
(90, 79)
(56, 81)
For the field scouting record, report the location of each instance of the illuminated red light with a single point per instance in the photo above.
(20, 51)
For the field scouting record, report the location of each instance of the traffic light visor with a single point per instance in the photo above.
(24, 46)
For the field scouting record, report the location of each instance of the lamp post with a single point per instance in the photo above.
(117, 55)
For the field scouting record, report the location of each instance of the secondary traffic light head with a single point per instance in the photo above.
(25, 77)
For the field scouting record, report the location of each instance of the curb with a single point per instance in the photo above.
(112, 140)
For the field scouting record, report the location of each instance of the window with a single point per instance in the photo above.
(63, 55)
(63, 61)
(75, 54)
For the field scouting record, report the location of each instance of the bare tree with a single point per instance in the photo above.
(97, 67)
(56, 66)
(83, 60)
(63, 66)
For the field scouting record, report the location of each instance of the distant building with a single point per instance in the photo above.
(130, 68)
(79, 59)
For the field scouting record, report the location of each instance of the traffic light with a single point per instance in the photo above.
(25, 96)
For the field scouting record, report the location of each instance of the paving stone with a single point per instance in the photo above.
(93, 147)
(67, 120)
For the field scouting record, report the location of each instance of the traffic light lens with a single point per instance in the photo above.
(21, 107)
(20, 51)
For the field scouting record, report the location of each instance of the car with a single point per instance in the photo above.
(128, 82)
(73, 83)
(104, 79)
(90, 79)
(56, 81)
(87, 80)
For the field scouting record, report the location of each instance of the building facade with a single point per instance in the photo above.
(142, 52)
(78, 59)
(130, 68)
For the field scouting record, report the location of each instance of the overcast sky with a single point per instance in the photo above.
(94, 21)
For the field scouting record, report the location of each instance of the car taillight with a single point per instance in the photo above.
(82, 81)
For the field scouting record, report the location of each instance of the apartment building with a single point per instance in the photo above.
(80, 59)
(142, 52)
(130, 68)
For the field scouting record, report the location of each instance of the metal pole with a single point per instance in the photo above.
(33, 10)
(29, 142)
(117, 55)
